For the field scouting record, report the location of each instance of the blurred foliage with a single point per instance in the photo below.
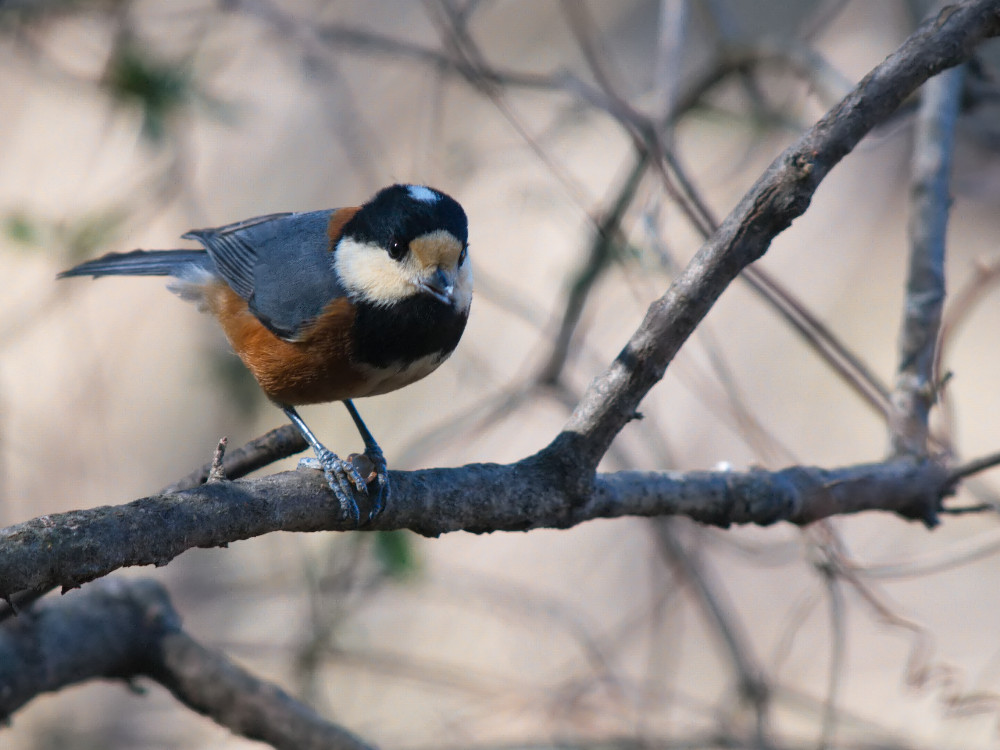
(91, 233)
(74, 240)
(395, 552)
(22, 229)
(159, 89)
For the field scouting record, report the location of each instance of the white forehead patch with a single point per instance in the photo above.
(422, 194)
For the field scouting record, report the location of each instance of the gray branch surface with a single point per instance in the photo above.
(69, 549)
(930, 202)
(121, 629)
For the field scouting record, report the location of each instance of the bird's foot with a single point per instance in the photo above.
(343, 477)
(372, 466)
(381, 470)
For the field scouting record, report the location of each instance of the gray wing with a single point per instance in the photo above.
(281, 264)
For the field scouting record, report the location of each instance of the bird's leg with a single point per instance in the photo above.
(377, 457)
(340, 474)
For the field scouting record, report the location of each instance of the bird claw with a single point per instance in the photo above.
(381, 496)
(342, 477)
(346, 476)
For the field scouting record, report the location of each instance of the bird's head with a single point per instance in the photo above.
(407, 240)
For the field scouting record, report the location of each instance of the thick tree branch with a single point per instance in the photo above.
(779, 196)
(557, 487)
(262, 451)
(916, 388)
(126, 629)
(69, 549)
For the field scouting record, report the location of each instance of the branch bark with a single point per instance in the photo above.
(127, 629)
(916, 389)
(69, 549)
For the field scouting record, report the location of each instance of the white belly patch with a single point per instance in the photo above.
(383, 380)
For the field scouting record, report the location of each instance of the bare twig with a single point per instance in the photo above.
(126, 629)
(957, 555)
(796, 314)
(217, 472)
(838, 640)
(974, 467)
(607, 237)
(821, 339)
(672, 31)
(916, 384)
(753, 686)
(275, 445)
(923, 671)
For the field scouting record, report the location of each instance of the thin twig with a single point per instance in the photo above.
(916, 384)
(957, 555)
(973, 467)
(272, 446)
(604, 245)
(217, 473)
(838, 635)
(753, 685)
(923, 672)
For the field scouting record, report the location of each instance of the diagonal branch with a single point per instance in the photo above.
(782, 194)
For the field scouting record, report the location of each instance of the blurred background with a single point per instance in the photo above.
(124, 123)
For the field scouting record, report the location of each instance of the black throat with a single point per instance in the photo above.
(405, 331)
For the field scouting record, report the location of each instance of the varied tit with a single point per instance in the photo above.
(329, 305)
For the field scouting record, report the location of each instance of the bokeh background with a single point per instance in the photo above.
(123, 123)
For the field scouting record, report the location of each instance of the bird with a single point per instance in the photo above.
(329, 305)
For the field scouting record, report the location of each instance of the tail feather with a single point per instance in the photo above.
(188, 265)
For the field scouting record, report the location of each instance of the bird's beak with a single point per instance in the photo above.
(439, 286)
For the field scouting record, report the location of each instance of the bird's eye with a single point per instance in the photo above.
(462, 255)
(397, 249)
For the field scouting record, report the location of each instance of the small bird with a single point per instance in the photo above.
(329, 305)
